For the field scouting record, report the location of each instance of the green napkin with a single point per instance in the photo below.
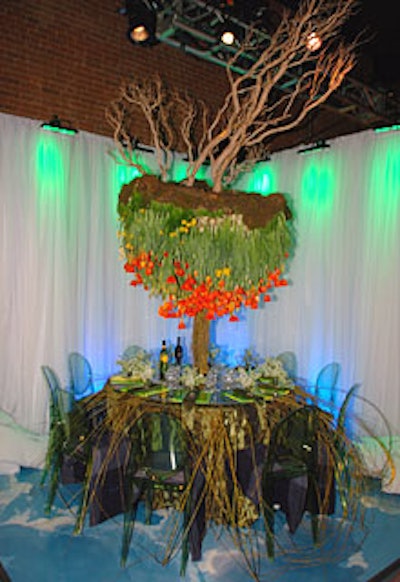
(270, 392)
(119, 380)
(203, 397)
(176, 396)
(238, 396)
(152, 391)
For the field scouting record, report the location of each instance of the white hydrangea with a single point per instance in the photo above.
(272, 368)
(138, 366)
(190, 377)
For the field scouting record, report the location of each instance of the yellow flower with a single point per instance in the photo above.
(183, 221)
(142, 210)
(193, 222)
(183, 229)
(172, 234)
(227, 271)
(218, 273)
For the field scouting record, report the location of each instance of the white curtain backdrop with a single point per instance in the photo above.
(63, 287)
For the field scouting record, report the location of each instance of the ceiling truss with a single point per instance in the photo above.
(194, 25)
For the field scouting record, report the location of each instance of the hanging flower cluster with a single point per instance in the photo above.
(213, 296)
(199, 262)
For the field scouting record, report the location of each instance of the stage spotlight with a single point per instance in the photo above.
(229, 33)
(228, 37)
(142, 22)
(57, 126)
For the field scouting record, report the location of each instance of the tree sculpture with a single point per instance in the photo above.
(205, 251)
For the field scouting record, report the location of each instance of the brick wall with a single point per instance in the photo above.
(69, 57)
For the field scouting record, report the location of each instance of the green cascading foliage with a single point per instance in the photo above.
(206, 242)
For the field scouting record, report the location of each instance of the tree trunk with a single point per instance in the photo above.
(200, 342)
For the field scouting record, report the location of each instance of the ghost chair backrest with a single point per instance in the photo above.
(289, 363)
(325, 385)
(161, 465)
(58, 435)
(81, 375)
(345, 421)
(131, 352)
(295, 462)
(60, 399)
(66, 455)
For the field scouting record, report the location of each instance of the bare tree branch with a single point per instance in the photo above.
(116, 116)
(151, 98)
(255, 107)
(282, 85)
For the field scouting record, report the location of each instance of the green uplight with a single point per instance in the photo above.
(57, 126)
(124, 175)
(395, 127)
(50, 171)
(384, 197)
(263, 179)
(63, 130)
(318, 187)
(179, 171)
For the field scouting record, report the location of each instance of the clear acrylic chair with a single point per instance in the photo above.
(325, 385)
(68, 446)
(289, 363)
(81, 375)
(166, 468)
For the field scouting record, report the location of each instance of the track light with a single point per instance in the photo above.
(384, 129)
(133, 144)
(57, 126)
(315, 147)
(142, 22)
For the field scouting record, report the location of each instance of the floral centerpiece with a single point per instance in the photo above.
(137, 366)
(191, 378)
(269, 372)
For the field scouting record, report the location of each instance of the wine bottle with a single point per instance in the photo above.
(163, 360)
(178, 352)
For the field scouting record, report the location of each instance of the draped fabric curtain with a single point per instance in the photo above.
(63, 287)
